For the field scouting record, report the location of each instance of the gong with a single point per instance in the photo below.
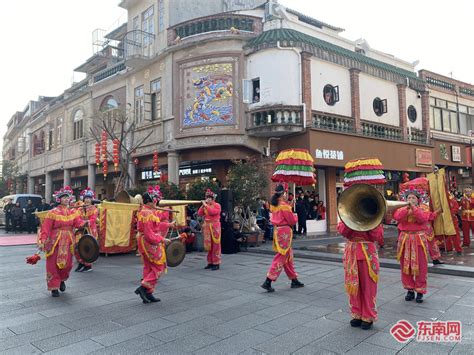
(88, 248)
(175, 252)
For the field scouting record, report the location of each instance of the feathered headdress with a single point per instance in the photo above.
(418, 187)
(87, 193)
(155, 193)
(210, 193)
(364, 171)
(65, 191)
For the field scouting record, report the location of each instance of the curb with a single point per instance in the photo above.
(453, 270)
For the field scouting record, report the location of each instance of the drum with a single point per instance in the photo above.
(88, 248)
(175, 253)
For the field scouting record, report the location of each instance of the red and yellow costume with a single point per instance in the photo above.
(361, 270)
(151, 244)
(56, 239)
(412, 247)
(212, 231)
(283, 221)
(454, 240)
(431, 241)
(467, 217)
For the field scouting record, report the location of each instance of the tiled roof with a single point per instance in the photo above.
(293, 38)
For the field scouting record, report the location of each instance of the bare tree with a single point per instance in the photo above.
(119, 124)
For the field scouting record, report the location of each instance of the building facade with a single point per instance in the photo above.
(232, 80)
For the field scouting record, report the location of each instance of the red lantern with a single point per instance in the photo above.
(116, 155)
(97, 154)
(104, 146)
(155, 162)
(105, 168)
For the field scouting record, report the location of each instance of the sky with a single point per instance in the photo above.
(43, 41)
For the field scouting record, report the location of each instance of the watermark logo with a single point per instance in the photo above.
(433, 332)
(403, 331)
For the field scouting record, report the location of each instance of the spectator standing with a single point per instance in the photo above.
(8, 215)
(17, 214)
(321, 211)
(30, 210)
(302, 209)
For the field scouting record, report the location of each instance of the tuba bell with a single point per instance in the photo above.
(362, 207)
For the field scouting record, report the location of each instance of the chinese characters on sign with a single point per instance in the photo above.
(329, 154)
(456, 153)
(424, 158)
(435, 332)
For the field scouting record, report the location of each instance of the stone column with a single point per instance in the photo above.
(31, 185)
(306, 86)
(402, 109)
(355, 98)
(91, 176)
(48, 187)
(425, 113)
(173, 167)
(132, 170)
(331, 199)
(67, 177)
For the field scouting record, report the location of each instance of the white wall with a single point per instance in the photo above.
(280, 76)
(372, 87)
(323, 73)
(413, 99)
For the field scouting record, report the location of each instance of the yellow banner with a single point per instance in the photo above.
(118, 223)
(443, 225)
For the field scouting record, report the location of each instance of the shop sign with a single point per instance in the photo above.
(329, 154)
(424, 158)
(190, 171)
(150, 175)
(456, 153)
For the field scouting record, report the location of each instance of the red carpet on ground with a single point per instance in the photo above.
(24, 239)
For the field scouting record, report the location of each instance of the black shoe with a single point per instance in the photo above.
(62, 287)
(437, 262)
(366, 325)
(142, 293)
(55, 293)
(419, 298)
(86, 269)
(215, 267)
(355, 322)
(410, 296)
(152, 298)
(296, 284)
(79, 267)
(267, 285)
(209, 266)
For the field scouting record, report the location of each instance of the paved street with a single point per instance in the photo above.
(207, 312)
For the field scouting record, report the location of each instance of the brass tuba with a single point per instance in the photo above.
(362, 207)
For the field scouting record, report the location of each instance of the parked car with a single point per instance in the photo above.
(23, 200)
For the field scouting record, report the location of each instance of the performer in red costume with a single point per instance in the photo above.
(90, 213)
(454, 240)
(211, 211)
(56, 239)
(151, 244)
(361, 262)
(467, 216)
(283, 221)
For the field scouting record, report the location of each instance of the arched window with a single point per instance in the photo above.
(108, 103)
(78, 124)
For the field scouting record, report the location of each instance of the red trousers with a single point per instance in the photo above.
(362, 304)
(151, 273)
(282, 262)
(417, 282)
(433, 248)
(467, 227)
(214, 254)
(454, 240)
(54, 275)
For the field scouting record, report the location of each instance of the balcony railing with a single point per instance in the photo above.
(138, 44)
(109, 72)
(275, 121)
(370, 129)
(417, 136)
(222, 22)
(333, 123)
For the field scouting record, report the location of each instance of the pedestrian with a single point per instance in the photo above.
(44, 206)
(302, 212)
(89, 213)
(151, 244)
(467, 216)
(412, 243)
(283, 220)
(17, 216)
(321, 211)
(211, 211)
(56, 240)
(7, 209)
(30, 210)
(361, 261)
